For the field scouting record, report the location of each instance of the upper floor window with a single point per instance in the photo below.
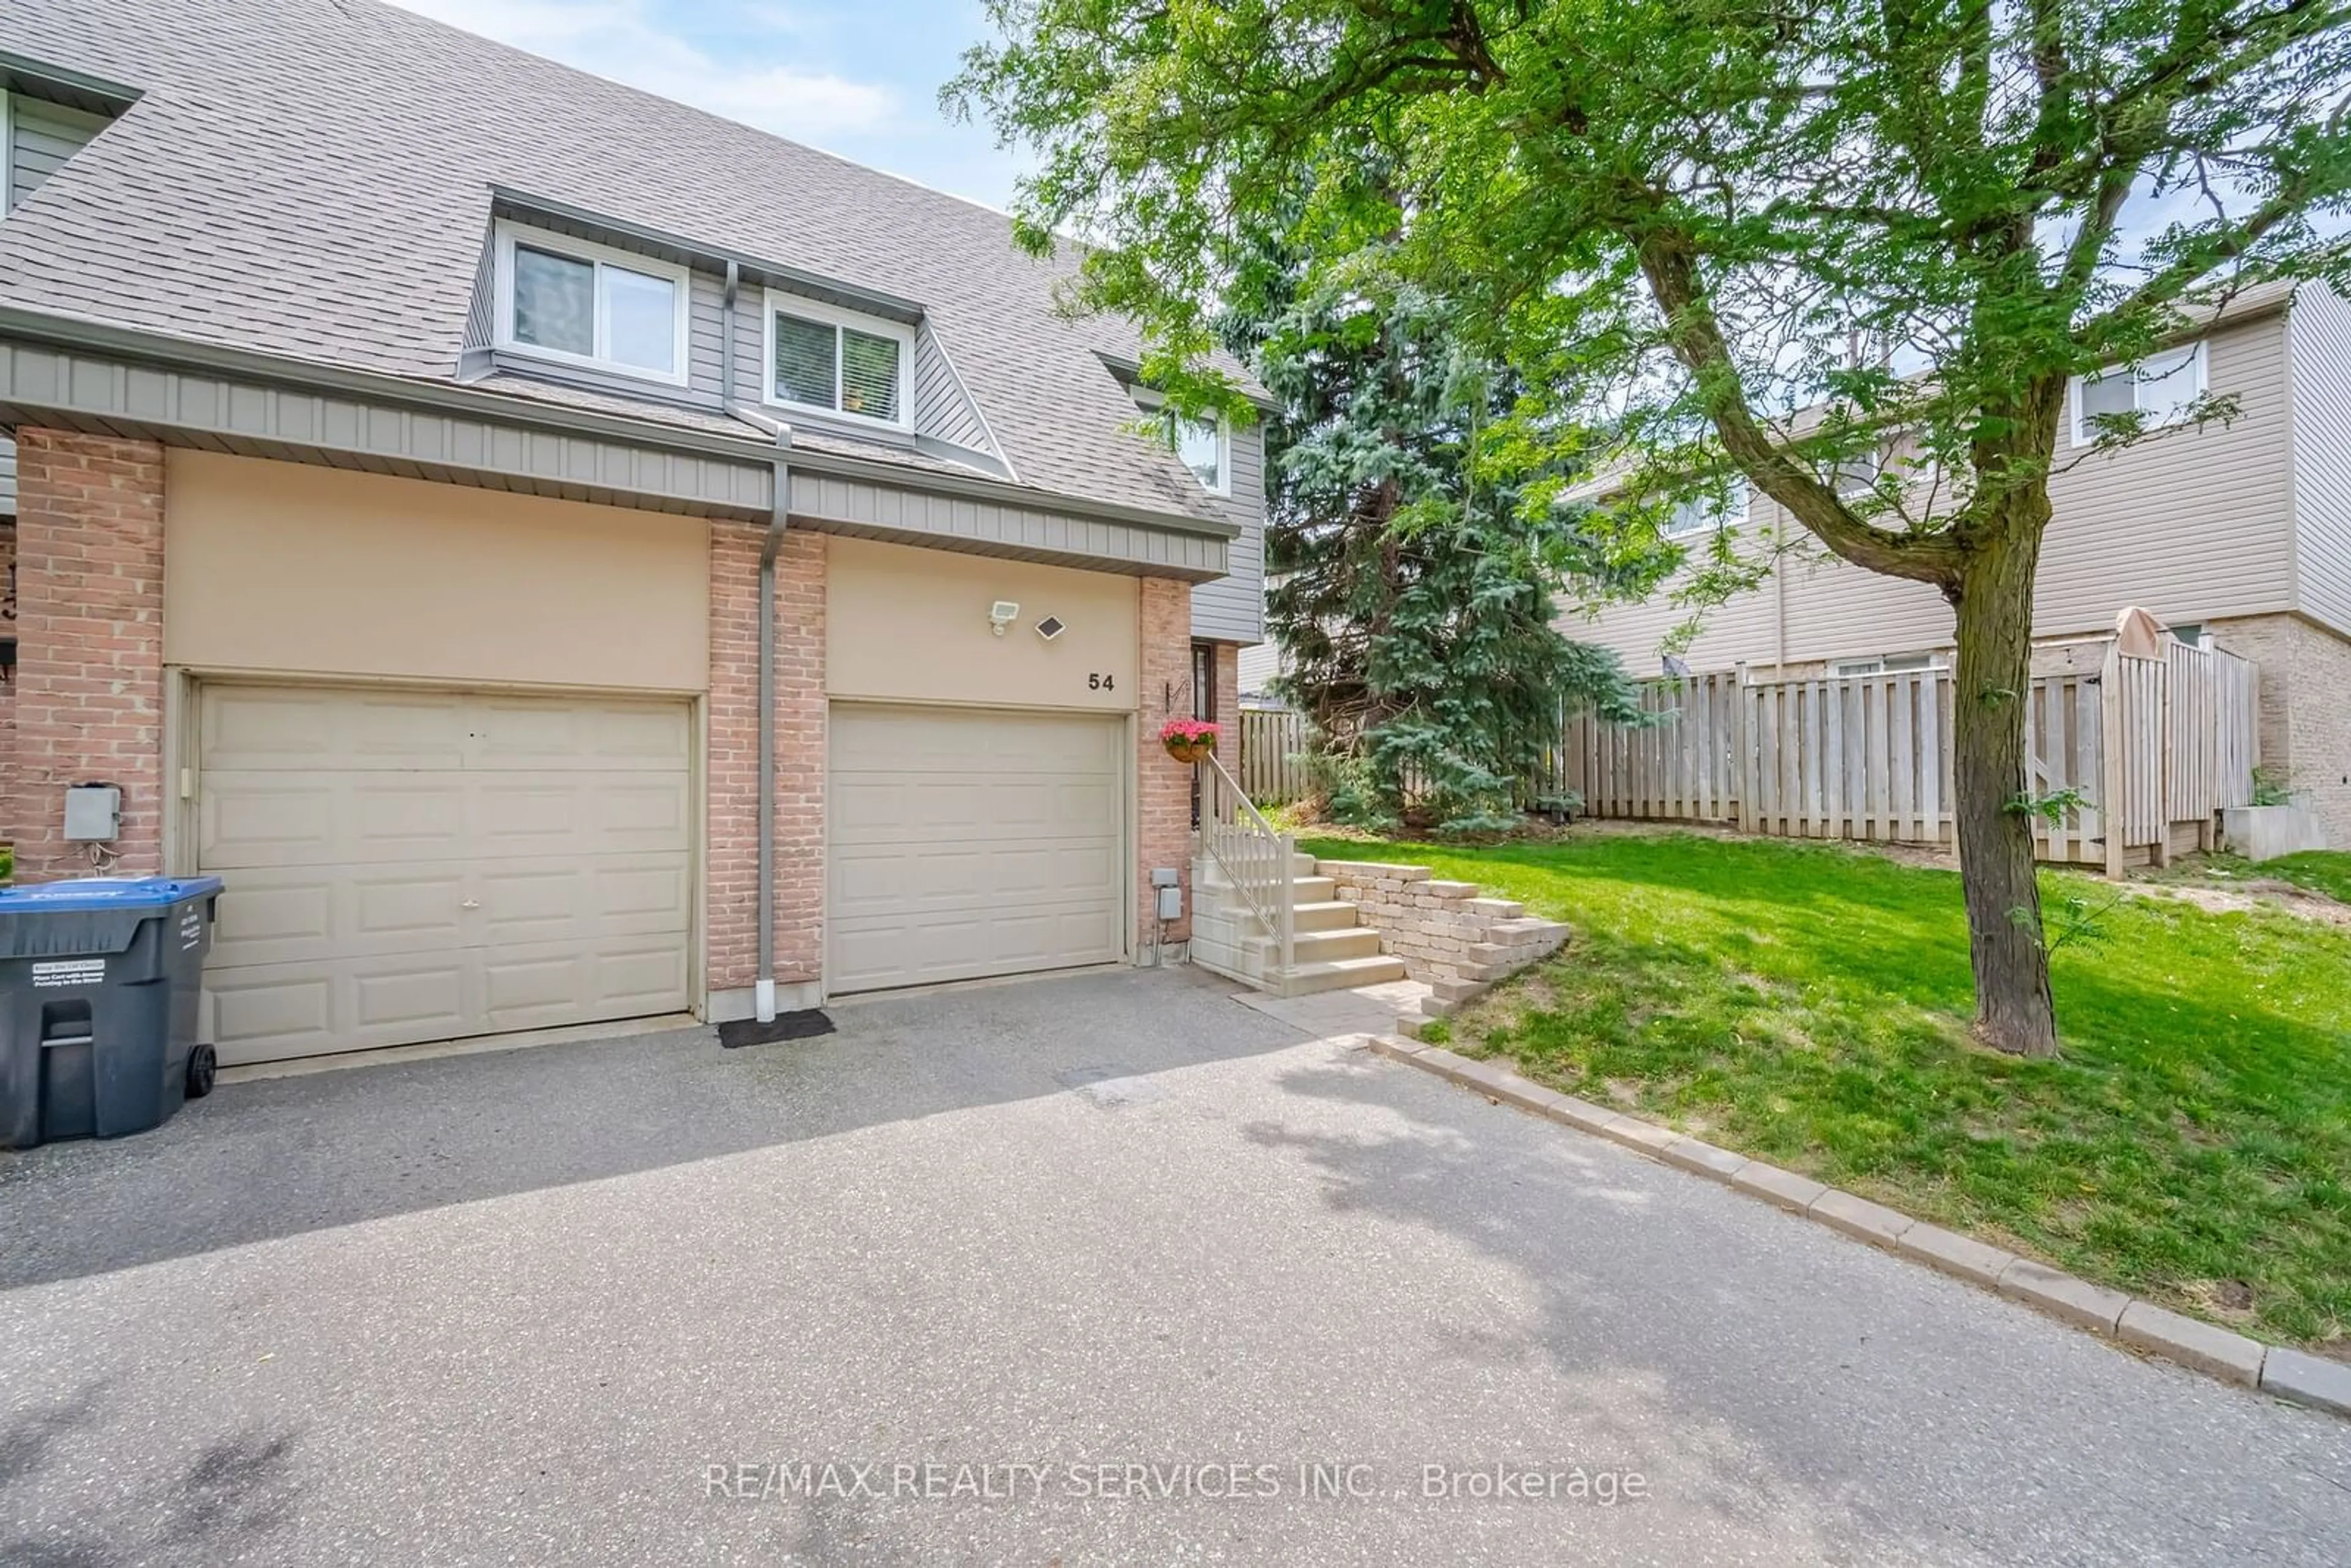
(832, 360)
(1706, 512)
(1857, 475)
(568, 301)
(1205, 448)
(2161, 387)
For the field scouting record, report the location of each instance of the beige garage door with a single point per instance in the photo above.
(406, 866)
(972, 843)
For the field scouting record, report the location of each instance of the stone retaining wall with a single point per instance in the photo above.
(1450, 935)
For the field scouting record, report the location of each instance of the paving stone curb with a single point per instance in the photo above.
(2276, 1370)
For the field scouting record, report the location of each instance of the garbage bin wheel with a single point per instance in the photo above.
(201, 1068)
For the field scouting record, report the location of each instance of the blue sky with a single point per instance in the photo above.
(859, 79)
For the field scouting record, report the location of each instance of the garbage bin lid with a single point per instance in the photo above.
(106, 893)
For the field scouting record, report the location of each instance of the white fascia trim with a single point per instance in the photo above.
(903, 333)
(502, 327)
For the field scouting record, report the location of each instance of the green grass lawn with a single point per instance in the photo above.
(1807, 1005)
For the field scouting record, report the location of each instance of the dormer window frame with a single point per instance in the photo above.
(1222, 428)
(604, 258)
(806, 307)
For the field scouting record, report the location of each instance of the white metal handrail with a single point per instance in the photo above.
(1258, 861)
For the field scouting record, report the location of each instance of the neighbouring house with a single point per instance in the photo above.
(2237, 535)
(403, 428)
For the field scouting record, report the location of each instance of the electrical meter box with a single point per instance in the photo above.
(93, 813)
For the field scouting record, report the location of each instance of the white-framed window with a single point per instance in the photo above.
(1705, 512)
(2163, 388)
(578, 303)
(1857, 475)
(1205, 448)
(1887, 665)
(824, 360)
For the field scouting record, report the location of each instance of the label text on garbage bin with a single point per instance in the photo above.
(71, 972)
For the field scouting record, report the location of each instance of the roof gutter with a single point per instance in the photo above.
(451, 397)
(763, 992)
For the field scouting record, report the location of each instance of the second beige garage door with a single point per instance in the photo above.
(415, 865)
(968, 843)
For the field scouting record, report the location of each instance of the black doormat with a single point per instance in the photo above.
(803, 1025)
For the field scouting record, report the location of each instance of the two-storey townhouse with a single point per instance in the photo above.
(2236, 532)
(564, 557)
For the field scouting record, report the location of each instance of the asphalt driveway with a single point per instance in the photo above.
(1103, 1251)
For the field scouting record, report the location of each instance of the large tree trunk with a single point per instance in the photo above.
(1992, 692)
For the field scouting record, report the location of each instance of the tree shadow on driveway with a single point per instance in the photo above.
(1778, 1370)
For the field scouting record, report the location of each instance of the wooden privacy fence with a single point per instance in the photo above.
(2150, 748)
(1271, 763)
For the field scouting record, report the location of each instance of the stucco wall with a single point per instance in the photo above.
(912, 625)
(289, 567)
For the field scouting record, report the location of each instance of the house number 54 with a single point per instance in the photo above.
(1098, 682)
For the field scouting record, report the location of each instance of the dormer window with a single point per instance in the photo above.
(825, 359)
(1205, 446)
(572, 302)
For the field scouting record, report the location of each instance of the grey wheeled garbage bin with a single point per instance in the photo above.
(99, 984)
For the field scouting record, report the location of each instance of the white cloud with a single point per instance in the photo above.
(626, 41)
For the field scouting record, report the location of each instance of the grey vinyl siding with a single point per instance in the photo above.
(705, 333)
(863, 509)
(2189, 525)
(480, 331)
(1259, 666)
(943, 407)
(2318, 336)
(43, 136)
(221, 413)
(7, 478)
(1232, 608)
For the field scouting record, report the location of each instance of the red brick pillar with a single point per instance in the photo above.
(799, 761)
(731, 810)
(1163, 785)
(1228, 703)
(732, 814)
(90, 646)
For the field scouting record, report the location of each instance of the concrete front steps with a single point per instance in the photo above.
(1331, 948)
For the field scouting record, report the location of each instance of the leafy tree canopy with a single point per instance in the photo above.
(1853, 252)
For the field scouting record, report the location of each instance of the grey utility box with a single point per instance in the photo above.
(101, 981)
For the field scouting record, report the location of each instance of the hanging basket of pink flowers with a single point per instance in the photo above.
(1188, 740)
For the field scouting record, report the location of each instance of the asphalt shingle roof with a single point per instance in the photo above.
(313, 177)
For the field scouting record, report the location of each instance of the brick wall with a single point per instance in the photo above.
(732, 811)
(1448, 933)
(799, 759)
(8, 689)
(1228, 702)
(1162, 785)
(89, 628)
(2304, 688)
